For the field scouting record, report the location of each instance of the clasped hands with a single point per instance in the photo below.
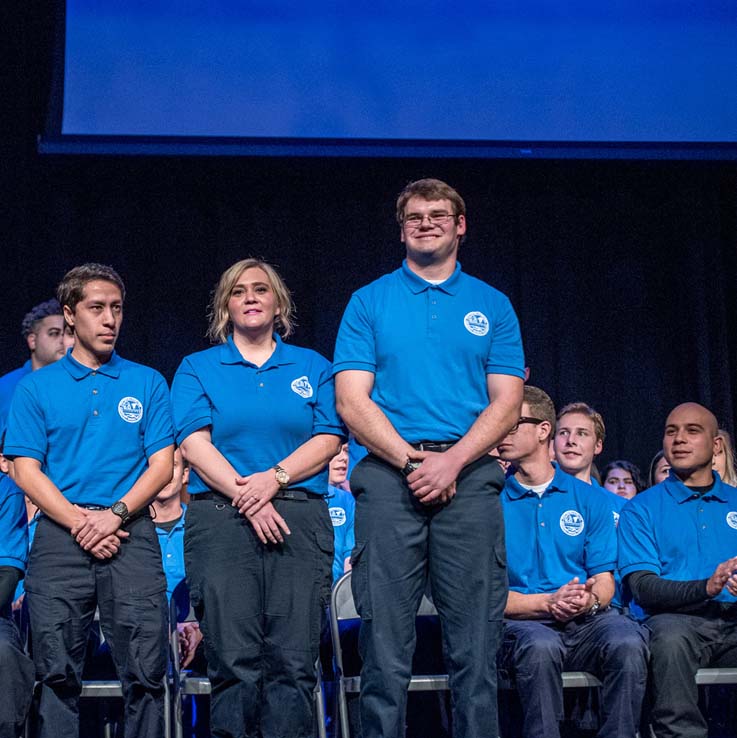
(572, 599)
(253, 499)
(434, 483)
(98, 531)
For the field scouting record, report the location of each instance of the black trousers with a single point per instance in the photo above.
(16, 680)
(459, 546)
(260, 609)
(679, 646)
(64, 585)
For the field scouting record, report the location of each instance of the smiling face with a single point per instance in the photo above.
(689, 443)
(252, 305)
(576, 443)
(431, 231)
(96, 320)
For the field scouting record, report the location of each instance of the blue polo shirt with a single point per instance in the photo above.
(93, 430)
(8, 383)
(568, 532)
(430, 348)
(13, 525)
(257, 415)
(172, 553)
(677, 534)
(342, 508)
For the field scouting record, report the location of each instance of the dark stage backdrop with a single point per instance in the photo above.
(624, 275)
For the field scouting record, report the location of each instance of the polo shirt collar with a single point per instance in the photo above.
(680, 492)
(79, 371)
(557, 484)
(283, 353)
(417, 284)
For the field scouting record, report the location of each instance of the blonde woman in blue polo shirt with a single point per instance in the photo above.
(256, 420)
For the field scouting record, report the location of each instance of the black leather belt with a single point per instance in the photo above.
(436, 446)
(282, 494)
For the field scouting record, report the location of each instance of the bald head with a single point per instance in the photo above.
(694, 412)
(689, 442)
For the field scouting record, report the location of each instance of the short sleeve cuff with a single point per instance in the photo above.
(364, 366)
(601, 568)
(13, 452)
(191, 427)
(152, 448)
(330, 430)
(509, 370)
(630, 568)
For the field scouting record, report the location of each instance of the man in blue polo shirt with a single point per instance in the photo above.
(91, 438)
(678, 554)
(16, 669)
(561, 554)
(429, 373)
(44, 332)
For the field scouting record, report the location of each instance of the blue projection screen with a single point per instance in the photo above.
(402, 77)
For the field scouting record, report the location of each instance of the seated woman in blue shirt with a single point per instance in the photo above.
(256, 420)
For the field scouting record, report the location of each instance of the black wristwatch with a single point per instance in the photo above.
(120, 509)
(411, 466)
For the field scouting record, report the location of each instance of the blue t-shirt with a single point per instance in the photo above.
(13, 525)
(171, 543)
(677, 534)
(93, 430)
(342, 508)
(430, 348)
(8, 383)
(257, 415)
(568, 532)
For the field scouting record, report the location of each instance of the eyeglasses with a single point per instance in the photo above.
(523, 420)
(436, 218)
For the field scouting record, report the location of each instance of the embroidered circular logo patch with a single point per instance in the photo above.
(337, 515)
(571, 523)
(302, 387)
(476, 323)
(732, 519)
(130, 409)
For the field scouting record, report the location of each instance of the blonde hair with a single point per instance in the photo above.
(730, 473)
(220, 326)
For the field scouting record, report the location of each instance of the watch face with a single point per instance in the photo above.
(282, 477)
(119, 508)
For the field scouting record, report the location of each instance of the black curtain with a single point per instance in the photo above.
(623, 274)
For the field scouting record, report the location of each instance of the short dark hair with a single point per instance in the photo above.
(71, 288)
(540, 404)
(429, 189)
(37, 313)
(589, 412)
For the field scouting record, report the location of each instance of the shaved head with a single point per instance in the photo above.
(689, 443)
(693, 412)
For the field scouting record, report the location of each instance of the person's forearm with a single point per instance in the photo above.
(372, 428)
(44, 493)
(211, 466)
(311, 457)
(603, 588)
(152, 481)
(527, 606)
(491, 426)
(657, 594)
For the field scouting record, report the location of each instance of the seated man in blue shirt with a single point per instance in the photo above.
(561, 554)
(92, 441)
(678, 554)
(16, 669)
